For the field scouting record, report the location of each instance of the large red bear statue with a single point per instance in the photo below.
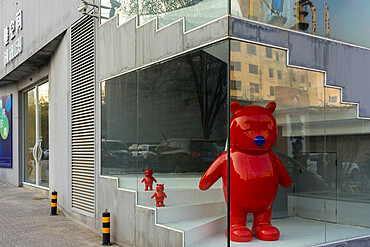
(255, 172)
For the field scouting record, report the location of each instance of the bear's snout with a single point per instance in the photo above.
(259, 140)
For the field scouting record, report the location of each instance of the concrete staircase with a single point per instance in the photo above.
(198, 214)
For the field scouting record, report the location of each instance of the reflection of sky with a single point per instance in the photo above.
(350, 21)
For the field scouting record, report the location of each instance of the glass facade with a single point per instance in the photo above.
(327, 18)
(36, 149)
(171, 117)
(320, 140)
(195, 12)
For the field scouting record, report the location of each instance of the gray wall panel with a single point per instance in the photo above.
(122, 206)
(60, 124)
(42, 22)
(126, 47)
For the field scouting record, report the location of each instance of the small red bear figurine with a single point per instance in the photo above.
(255, 172)
(148, 179)
(159, 195)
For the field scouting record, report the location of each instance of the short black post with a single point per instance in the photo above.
(54, 196)
(106, 227)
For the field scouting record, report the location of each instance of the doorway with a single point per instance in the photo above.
(36, 135)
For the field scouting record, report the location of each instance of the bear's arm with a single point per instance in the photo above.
(154, 180)
(143, 180)
(284, 178)
(213, 173)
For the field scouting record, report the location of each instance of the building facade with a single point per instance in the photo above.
(90, 102)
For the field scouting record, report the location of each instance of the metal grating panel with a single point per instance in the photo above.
(83, 115)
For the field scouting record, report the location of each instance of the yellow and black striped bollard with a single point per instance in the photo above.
(54, 196)
(106, 228)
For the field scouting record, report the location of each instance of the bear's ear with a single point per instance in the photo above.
(235, 107)
(271, 107)
(151, 170)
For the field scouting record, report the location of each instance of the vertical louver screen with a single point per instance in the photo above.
(82, 107)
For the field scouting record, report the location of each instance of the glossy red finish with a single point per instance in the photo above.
(149, 179)
(159, 195)
(255, 172)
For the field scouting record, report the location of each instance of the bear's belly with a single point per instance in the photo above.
(253, 196)
(253, 184)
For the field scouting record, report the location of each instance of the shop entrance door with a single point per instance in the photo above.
(36, 135)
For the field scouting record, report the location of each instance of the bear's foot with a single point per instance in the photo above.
(266, 232)
(240, 234)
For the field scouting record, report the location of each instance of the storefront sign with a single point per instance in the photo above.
(6, 131)
(13, 44)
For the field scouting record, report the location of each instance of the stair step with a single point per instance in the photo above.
(181, 196)
(190, 211)
(170, 181)
(197, 229)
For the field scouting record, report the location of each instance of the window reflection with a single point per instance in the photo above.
(170, 117)
(119, 125)
(182, 109)
(340, 20)
(196, 12)
(321, 141)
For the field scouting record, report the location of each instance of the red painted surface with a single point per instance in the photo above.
(149, 179)
(255, 171)
(159, 195)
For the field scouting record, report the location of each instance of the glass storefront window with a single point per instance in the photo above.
(171, 118)
(119, 125)
(321, 142)
(300, 141)
(348, 184)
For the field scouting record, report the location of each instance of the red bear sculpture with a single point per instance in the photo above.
(149, 179)
(159, 195)
(255, 172)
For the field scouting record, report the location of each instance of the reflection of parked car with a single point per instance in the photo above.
(351, 171)
(143, 149)
(182, 155)
(115, 154)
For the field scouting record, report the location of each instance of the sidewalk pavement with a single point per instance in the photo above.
(25, 221)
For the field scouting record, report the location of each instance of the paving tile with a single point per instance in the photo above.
(26, 222)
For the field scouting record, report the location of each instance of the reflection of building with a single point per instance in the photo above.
(105, 91)
(264, 73)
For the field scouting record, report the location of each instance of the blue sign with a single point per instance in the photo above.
(6, 127)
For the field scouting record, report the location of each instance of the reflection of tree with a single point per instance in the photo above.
(349, 148)
(130, 7)
(210, 79)
(162, 6)
(182, 97)
(44, 122)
